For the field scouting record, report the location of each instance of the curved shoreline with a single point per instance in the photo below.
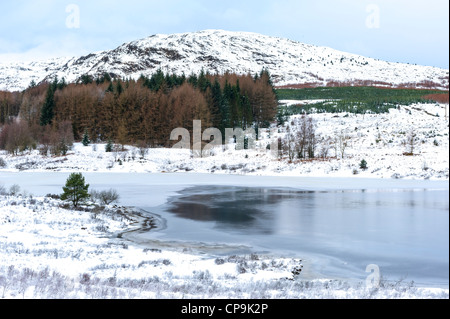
(146, 221)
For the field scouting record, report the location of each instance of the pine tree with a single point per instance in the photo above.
(226, 105)
(47, 111)
(119, 87)
(363, 165)
(106, 77)
(236, 106)
(156, 81)
(203, 82)
(86, 140)
(193, 80)
(247, 116)
(109, 147)
(32, 84)
(75, 190)
(217, 107)
(86, 79)
(110, 88)
(62, 84)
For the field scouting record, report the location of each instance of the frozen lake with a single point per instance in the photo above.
(338, 226)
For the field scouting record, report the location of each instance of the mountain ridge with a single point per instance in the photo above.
(290, 63)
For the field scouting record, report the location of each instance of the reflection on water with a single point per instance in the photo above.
(405, 231)
(235, 207)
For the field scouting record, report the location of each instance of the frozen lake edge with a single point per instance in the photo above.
(162, 186)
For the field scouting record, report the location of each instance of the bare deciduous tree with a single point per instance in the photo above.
(341, 143)
(411, 141)
(301, 139)
(16, 137)
(288, 144)
(325, 146)
(143, 148)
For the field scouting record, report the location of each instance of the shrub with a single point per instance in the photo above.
(143, 149)
(14, 190)
(219, 261)
(108, 197)
(105, 197)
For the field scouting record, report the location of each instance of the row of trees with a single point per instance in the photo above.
(302, 141)
(131, 111)
(18, 136)
(143, 111)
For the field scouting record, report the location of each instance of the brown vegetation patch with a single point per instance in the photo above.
(440, 98)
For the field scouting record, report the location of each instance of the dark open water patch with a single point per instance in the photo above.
(234, 207)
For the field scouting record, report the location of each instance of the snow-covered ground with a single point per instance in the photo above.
(379, 139)
(47, 251)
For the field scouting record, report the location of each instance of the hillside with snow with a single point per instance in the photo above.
(216, 51)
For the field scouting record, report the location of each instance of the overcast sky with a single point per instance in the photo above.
(397, 31)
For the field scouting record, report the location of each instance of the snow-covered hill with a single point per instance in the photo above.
(219, 51)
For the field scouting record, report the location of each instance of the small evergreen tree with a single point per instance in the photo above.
(119, 87)
(75, 190)
(86, 79)
(363, 165)
(32, 84)
(109, 147)
(110, 88)
(86, 140)
(62, 84)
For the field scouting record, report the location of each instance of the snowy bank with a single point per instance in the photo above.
(380, 140)
(51, 252)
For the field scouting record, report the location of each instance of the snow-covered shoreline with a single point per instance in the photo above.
(51, 252)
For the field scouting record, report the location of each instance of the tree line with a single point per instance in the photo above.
(145, 111)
